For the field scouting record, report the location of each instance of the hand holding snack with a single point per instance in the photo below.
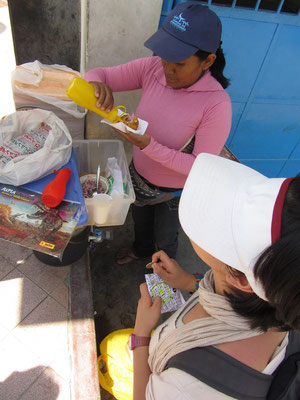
(138, 140)
(171, 298)
(148, 312)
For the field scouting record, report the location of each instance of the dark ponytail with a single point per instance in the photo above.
(278, 269)
(218, 66)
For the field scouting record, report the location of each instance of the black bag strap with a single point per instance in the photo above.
(222, 372)
(294, 343)
(286, 381)
(229, 376)
(286, 378)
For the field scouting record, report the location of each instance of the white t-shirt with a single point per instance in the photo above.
(174, 384)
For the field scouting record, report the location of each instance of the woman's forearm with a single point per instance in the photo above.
(141, 372)
(147, 316)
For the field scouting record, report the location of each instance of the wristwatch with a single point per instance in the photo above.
(136, 341)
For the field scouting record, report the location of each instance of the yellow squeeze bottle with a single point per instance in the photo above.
(83, 94)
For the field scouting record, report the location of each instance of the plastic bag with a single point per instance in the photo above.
(32, 144)
(114, 176)
(47, 83)
(115, 365)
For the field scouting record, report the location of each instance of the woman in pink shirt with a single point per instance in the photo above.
(188, 111)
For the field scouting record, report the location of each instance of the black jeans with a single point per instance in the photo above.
(156, 228)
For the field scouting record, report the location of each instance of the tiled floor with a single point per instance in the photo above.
(34, 350)
(46, 344)
(8, 63)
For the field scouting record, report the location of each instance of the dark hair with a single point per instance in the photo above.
(278, 269)
(217, 67)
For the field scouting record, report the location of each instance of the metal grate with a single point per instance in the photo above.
(275, 6)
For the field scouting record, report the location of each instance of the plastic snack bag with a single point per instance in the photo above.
(172, 299)
(32, 144)
(114, 176)
(46, 83)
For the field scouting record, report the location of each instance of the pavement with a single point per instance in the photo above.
(47, 334)
(33, 328)
(8, 63)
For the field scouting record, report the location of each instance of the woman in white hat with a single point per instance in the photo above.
(246, 228)
(188, 111)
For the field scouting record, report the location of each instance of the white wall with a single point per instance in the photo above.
(8, 64)
(116, 32)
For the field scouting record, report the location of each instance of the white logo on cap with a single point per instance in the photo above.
(179, 22)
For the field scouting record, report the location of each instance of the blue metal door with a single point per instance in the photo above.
(261, 42)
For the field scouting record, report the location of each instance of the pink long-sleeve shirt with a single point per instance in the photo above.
(174, 117)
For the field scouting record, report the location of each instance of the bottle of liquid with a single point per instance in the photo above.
(83, 94)
(54, 192)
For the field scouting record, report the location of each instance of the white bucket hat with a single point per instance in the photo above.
(232, 212)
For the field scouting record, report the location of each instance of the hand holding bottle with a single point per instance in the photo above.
(104, 95)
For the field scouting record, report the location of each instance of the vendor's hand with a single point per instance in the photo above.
(171, 272)
(104, 95)
(148, 313)
(140, 141)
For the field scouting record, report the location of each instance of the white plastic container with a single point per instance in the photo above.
(102, 210)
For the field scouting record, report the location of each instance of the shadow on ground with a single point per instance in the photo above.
(116, 287)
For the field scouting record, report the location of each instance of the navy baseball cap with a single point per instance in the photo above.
(188, 28)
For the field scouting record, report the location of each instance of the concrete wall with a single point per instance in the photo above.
(46, 30)
(116, 32)
(8, 64)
